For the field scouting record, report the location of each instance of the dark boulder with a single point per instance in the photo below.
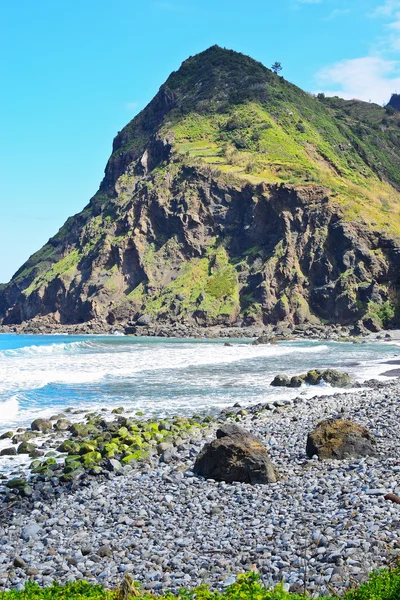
(236, 455)
(336, 438)
(42, 425)
(296, 381)
(281, 381)
(9, 451)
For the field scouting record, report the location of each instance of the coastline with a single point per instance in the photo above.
(169, 528)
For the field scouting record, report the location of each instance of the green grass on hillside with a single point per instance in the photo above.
(383, 585)
(296, 141)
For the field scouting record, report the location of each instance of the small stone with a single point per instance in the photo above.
(30, 531)
(19, 562)
(104, 551)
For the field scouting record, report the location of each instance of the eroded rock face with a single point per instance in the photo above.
(336, 438)
(236, 455)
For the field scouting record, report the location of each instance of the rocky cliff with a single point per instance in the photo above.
(233, 197)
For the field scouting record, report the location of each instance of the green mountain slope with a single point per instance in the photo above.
(233, 196)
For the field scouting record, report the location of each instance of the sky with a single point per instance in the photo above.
(74, 73)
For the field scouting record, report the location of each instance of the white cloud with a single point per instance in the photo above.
(337, 12)
(387, 9)
(368, 78)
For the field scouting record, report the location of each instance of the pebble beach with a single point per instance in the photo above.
(324, 525)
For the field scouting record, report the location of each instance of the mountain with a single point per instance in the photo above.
(233, 197)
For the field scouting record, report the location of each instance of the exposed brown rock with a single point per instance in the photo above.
(236, 455)
(339, 439)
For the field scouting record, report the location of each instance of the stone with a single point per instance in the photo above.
(27, 448)
(62, 425)
(336, 438)
(296, 381)
(236, 455)
(12, 451)
(30, 531)
(113, 465)
(19, 562)
(281, 381)
(42, 425)
(16, 483)
(393, 498)
(104, 551)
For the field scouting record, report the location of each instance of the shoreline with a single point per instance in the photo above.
(191, 330)
(170, 528)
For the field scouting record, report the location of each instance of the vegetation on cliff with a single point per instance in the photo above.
(234, 196)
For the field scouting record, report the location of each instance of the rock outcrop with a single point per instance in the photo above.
(339, 439)
(235, 455)
(315, 377)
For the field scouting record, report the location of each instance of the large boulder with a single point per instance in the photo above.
(336, 438)
(236, 455)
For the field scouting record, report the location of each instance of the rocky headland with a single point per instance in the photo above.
(234, 199)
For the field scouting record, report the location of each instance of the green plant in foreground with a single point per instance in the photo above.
(382, 585)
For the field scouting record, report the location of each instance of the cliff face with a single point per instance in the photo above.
(233, 197)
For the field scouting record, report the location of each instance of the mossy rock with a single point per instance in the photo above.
(339, 439)
(135, 456)
(313, 377)
(123, 432)
(87, 447)
(72, 476)
(68, 446)
(336, 378)
(133, 440)
(72, 458)
(24, 437)
(16, 483)
(152, 427)
(80, 430)
(26, 448)
(72, 466)
(91, 458)
(42, 470)
(34, 464)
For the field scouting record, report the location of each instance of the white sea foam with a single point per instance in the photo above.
(162, 375)
(8, 410)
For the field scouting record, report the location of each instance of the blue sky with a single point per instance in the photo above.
(74, 73)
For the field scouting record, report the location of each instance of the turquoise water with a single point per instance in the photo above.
(42, 375)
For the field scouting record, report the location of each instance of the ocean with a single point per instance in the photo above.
(43, 375)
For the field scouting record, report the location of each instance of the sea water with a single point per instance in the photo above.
(43, 375)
